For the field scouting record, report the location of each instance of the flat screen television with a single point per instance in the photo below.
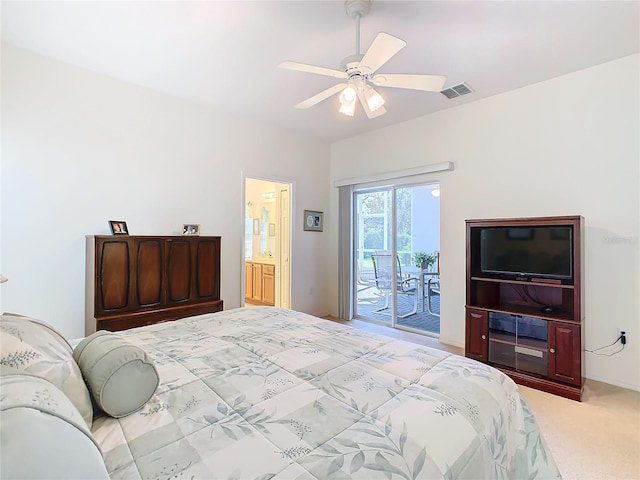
(527, 252)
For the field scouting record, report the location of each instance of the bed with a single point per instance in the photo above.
(269, 393)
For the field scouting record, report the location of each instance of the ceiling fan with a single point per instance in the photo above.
(359, 71)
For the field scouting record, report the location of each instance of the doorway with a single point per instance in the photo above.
(396, 256)
(267, 243)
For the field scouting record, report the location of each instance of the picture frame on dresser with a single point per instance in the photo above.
(118, 227)
(190, 229)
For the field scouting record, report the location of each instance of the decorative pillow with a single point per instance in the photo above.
(43, 435)
(120, 375)
(32, 347)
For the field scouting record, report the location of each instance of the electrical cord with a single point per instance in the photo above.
(525, 290)
(606, 354)
(596, 350)
(520, 294)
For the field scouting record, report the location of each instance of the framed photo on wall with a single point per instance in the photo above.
(190, 229)
(118, 227)
(313, 221)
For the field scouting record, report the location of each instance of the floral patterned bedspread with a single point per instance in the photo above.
(267, 393)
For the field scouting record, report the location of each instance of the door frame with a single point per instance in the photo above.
(280, 273)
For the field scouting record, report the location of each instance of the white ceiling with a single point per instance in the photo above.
(224, 53)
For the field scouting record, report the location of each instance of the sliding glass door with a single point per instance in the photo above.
(396, 245)
(372, 215)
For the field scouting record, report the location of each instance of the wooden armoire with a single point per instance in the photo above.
(133, 281)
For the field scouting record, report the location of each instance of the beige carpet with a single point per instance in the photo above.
(596, 439)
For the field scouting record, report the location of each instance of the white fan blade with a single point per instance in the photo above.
(301, 67)
(429, 83)
(378, 111)
(384, 47)
(317, 98)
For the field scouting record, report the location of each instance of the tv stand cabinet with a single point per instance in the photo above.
(530, 328)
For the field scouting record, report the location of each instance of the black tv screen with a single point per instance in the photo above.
(541, 251)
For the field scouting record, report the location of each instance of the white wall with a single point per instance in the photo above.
(79, 149)
(568, 146)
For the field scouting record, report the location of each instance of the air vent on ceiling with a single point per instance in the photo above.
(456, 91)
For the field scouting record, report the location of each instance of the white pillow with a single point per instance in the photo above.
(32, 347)
(43, 435)
(120, 375)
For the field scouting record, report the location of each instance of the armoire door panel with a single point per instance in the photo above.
(206, 258)
(114, 276)
(149, 272)
(179, 271)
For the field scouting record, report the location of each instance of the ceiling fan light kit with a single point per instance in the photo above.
(374, 99)
(348, 109)
(348, 101)
(358, 70)
(348, 95)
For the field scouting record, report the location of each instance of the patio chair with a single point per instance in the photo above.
(364, 276)
(383, 272)
(365, 288)
(433, 289)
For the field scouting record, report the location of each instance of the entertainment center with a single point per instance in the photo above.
(524, 302)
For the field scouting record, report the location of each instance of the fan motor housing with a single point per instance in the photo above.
(350, 63)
